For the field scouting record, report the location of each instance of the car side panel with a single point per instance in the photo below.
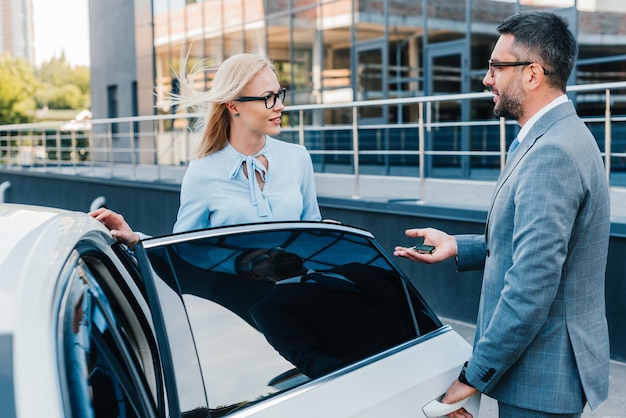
(398, 385)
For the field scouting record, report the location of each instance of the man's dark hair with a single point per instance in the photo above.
(543, 37)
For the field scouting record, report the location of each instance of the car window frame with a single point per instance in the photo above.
(108, 287)
(163, 341)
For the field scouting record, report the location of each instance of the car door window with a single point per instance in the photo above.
(106, 348)
(256, 337)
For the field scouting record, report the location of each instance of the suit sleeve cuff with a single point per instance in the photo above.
(471, 252)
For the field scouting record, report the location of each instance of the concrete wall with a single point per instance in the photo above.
(112, 39)
(152, 207)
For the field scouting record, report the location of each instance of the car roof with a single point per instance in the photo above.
(35, 243)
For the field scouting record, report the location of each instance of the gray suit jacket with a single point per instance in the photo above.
(542, 338)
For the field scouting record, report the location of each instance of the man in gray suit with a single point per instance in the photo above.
(541, 347)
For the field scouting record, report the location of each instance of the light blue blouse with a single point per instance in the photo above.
(215, 191)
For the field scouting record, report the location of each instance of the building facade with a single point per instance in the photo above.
(16, 29)
(327, 50)
(331, 51)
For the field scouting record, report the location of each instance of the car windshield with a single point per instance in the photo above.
(272, 307)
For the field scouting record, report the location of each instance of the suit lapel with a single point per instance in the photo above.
(536, 132)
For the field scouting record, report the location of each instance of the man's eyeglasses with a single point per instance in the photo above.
(270, 99)
(497, 64)
(267, 255)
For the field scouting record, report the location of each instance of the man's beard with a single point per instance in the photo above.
(510, 104)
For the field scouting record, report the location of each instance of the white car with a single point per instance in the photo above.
(195, 325)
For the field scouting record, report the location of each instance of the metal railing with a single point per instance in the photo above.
(339, 136)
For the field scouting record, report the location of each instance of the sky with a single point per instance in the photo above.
(61, 25)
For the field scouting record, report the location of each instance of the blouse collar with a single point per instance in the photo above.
(254, 165)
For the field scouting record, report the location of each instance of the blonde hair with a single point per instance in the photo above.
(229, 80)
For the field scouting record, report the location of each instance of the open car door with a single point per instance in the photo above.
(293, 347)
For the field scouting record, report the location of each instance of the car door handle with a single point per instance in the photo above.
(435, 408)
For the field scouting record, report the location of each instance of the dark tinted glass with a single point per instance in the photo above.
(256, 336)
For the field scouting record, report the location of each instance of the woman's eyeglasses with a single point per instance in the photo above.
(270, 99)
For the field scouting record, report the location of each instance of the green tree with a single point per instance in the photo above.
(67, 96)
(80, 77)
(56, 71)
(17, 88)
(63, 86)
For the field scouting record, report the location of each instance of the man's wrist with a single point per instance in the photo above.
(462, 377)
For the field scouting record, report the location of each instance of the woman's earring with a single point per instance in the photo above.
(236, 115)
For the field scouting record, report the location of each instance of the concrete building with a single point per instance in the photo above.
(16, 29)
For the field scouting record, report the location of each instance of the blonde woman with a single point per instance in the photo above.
(240, 173)
(243, 174)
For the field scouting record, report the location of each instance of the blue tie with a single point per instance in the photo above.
(514, 145)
